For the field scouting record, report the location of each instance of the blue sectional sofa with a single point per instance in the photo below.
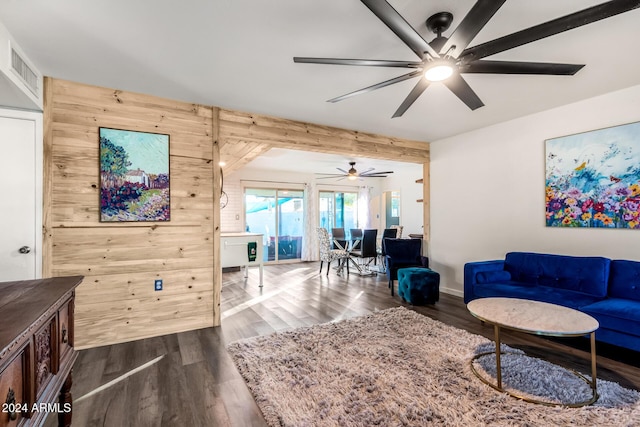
(608, 290)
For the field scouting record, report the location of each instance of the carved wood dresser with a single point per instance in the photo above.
(36, 350)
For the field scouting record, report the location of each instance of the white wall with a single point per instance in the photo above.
(487, 190)
(403, 179)
(231, 216)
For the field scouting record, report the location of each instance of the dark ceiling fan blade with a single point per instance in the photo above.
(342, 170)
(550, 28)
(358, 62)
(329, 177)
(461, 88)
(401, 28)
(518, 67)
(376, 173)
(473, 22)
(411, 98)
(378, 85)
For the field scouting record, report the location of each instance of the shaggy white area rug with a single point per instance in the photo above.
(400, 368)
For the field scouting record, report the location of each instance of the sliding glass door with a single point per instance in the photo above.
(277, 214)
(338, 210)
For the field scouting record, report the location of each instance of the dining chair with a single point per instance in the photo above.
(367, 248)
(398, 229)
(387, 233)
(328, 254)
(339, 239)
(356, 238)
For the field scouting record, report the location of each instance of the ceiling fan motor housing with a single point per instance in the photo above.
(439, 22)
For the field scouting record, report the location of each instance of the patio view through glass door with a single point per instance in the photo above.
(338, 210)
(278, 215)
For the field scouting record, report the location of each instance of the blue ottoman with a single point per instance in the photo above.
(419, 286)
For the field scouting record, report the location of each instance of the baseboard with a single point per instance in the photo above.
(450, 291)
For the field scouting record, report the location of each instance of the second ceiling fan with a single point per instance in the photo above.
(444, 59)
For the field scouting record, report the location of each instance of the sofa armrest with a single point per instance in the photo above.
(471, 269)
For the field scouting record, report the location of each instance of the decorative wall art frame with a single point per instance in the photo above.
(593, 178)
(134, 176)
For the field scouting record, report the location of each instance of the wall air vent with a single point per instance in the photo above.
(21, 84)
(28, 76)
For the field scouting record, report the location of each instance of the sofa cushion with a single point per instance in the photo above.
(588, 275)
(624, 281)
(618, 338)
(535, 292)
(616, 314)
(493, 276)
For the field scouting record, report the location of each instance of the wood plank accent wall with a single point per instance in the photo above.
(120, 261)
(245, 136)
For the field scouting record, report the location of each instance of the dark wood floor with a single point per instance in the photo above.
(194, 382)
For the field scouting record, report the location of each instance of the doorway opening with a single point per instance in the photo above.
(277, 214)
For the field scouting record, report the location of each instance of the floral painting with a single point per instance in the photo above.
(134, 176)
(593, 179)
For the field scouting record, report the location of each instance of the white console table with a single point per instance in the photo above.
(233, 251)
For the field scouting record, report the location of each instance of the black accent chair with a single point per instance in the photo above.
(402, 253)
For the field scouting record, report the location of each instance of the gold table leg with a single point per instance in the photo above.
(496, 330)
(593, 363)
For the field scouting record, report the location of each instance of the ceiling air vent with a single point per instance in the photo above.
(28, 76)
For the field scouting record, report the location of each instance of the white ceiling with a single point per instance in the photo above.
(238, 54)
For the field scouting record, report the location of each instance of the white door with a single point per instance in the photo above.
(20, 195)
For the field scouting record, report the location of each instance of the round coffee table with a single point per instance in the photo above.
(537, 318)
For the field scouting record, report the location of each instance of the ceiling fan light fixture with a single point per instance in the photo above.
(439, 71)
(352, 177)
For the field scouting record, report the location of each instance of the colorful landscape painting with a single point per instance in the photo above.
(593, 179)
(134, 176)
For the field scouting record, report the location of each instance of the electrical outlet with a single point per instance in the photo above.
(158, 284)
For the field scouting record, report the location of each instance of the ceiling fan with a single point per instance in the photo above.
(352, 174)
(445, 59)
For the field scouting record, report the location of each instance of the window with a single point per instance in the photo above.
(338, 210)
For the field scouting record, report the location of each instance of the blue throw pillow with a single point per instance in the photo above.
(493, 276)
